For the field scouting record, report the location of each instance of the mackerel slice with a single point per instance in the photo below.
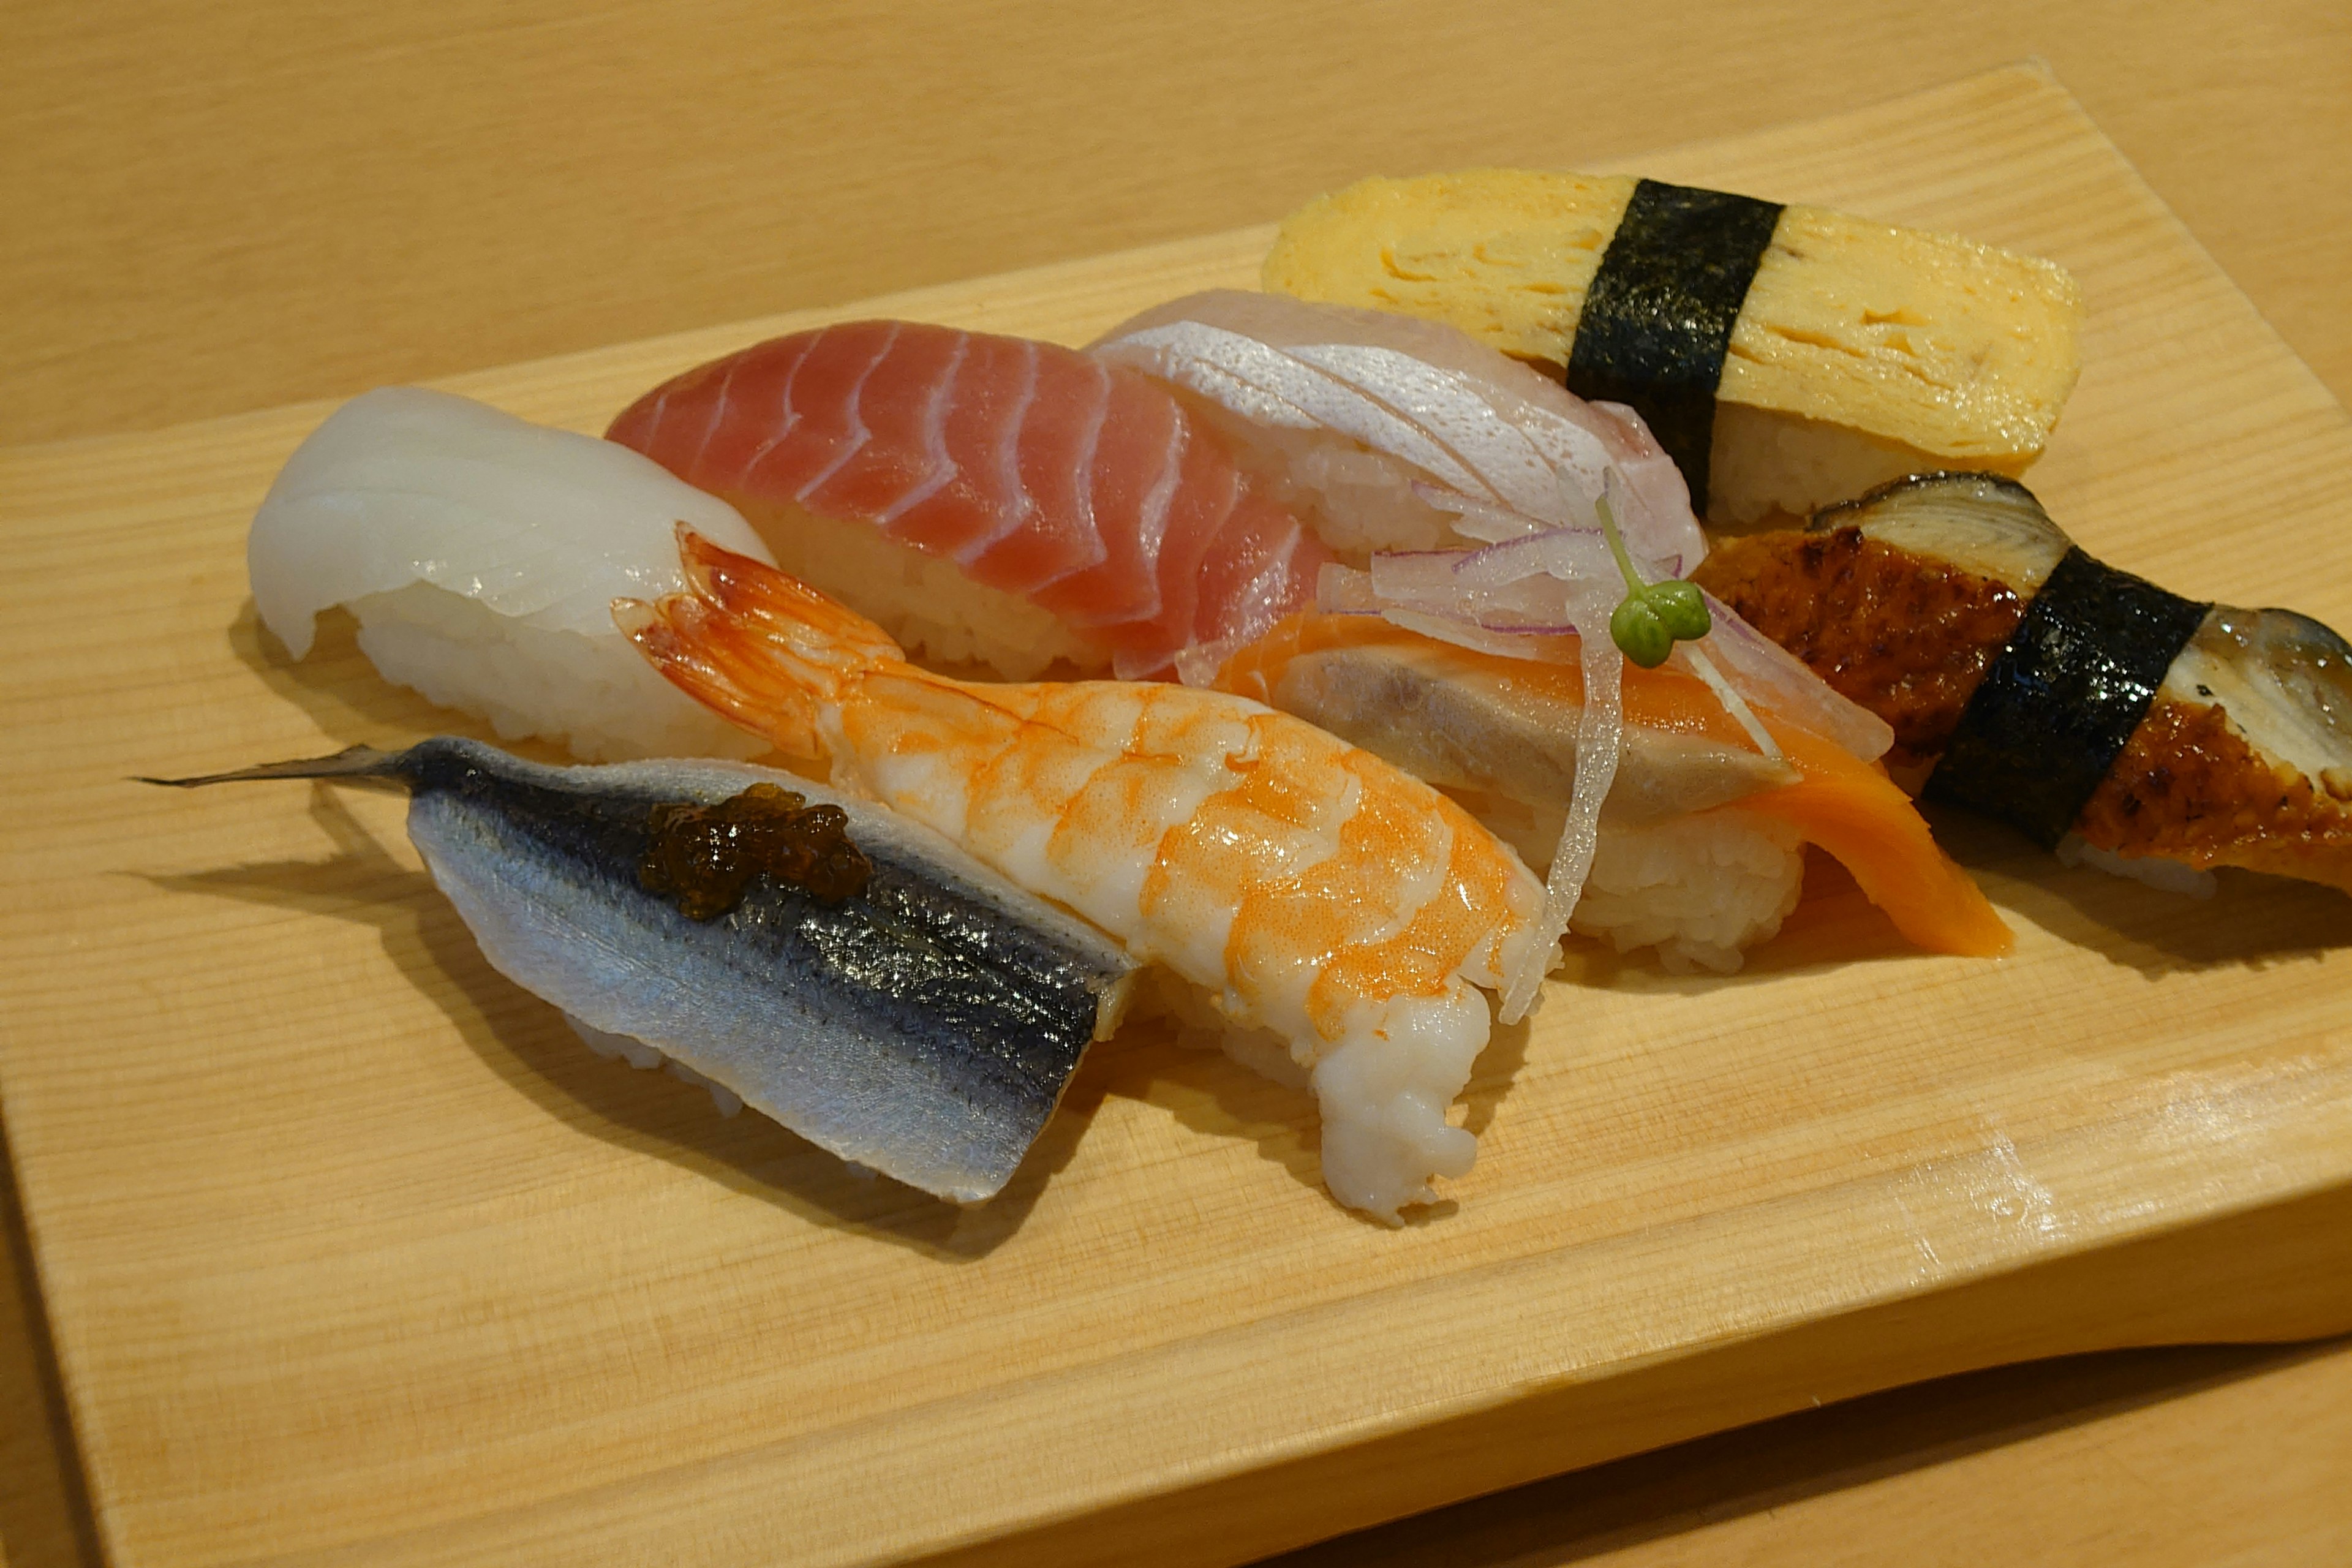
(926, 1024)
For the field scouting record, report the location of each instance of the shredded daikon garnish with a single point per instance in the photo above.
(1599, 743)
(1734, 704)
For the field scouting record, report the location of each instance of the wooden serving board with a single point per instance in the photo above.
(351, 1254)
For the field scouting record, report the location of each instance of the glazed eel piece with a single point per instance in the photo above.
(2031, 683)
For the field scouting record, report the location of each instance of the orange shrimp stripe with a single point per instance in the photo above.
(1329, 862)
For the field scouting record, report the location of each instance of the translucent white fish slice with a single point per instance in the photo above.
(1414, 403)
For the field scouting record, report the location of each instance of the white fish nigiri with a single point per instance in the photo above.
(1355, 417)
(481, 555)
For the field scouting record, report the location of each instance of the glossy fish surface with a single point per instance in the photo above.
(1081, 490)
(1349, 415)
(2073, 700)
(1690, 790)
(895, 1002)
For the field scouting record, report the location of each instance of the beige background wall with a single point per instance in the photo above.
(218, 207)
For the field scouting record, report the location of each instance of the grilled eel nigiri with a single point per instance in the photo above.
(2079, 703)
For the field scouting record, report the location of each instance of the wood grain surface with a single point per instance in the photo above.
(2184, 104)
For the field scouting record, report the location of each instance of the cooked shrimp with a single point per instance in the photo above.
(1307, 887)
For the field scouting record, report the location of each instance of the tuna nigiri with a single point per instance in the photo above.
(987, 499)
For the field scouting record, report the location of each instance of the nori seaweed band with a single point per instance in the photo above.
(2056, 706)
(1657, 321)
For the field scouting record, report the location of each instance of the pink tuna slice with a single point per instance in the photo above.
(1084, 488)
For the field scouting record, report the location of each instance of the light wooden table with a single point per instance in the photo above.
(220, 210)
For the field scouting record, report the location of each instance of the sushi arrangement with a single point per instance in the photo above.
(1303, 666)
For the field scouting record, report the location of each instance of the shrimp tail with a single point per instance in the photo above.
(761, 649)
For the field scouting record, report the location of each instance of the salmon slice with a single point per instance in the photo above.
(1084, 488)
(1487, 724)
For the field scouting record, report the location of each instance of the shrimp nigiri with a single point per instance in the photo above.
(1309, 888)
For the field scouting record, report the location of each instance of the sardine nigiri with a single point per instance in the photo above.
(838, 968)
(2154, 735)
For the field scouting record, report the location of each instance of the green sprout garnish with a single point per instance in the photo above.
(1654, 615)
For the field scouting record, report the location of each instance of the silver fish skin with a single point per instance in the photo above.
(925, 1027)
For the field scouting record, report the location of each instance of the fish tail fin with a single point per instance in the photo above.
(351, 763)
(763, 649)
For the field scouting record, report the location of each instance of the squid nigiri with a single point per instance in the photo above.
(479, 554)
(1311, 891)
(2104, 717)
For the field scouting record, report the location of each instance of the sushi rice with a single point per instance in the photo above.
(1699, 888)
